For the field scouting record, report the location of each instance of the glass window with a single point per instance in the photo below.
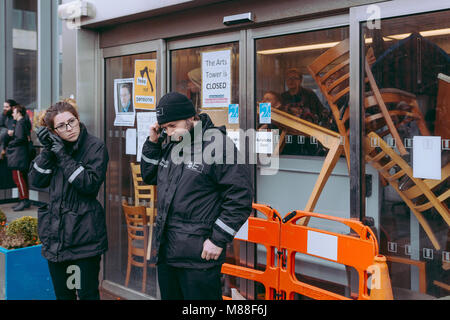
(302, 122)
(186, 78)
(305, 137)
(407, 113)
(24, 51)
(119, 183)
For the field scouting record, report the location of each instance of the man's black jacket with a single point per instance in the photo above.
(73, 225)
(197, 199)
(18, 153)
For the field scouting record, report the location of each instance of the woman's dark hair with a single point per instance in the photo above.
(275, 94)
(57, 108)
(11, 102)
(20, 109)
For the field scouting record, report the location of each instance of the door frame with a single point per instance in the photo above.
(158, 46)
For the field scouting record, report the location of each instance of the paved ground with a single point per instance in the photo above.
(11, 215)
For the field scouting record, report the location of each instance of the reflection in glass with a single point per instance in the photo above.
(411, 66)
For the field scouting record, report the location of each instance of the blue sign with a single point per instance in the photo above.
(265, 113)
(233, 114)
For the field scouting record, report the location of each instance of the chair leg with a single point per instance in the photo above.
(127, 279)
(144, 275)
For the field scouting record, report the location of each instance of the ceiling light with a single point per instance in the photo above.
(429, 33)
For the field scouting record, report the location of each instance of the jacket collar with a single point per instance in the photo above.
(75, 146)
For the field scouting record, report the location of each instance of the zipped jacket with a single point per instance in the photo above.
(72, 225)
(198, 199)
(17, 152)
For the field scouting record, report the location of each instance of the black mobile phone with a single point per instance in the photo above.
(162, 136)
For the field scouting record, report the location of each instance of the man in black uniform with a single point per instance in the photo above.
(201, 204)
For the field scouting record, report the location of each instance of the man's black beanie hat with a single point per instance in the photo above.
(174, 106)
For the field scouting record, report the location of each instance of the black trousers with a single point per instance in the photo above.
(189, 284)
(76, 277)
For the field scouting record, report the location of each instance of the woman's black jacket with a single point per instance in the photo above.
(73, 225)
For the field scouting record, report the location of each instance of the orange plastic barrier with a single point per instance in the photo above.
(265, 232)
(356, 251)
(283, 238)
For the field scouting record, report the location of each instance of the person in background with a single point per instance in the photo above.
(274, 99)
(194, 87)
(72, 226)
(303, 102)
(6, 125)
(18, 155)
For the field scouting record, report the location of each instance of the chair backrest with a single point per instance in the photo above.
(424, 195)
(142, 191)
(136, 218)
(331, 71)
(402, 107)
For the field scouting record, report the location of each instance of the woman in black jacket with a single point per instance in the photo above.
(72, 227)
(18, 155)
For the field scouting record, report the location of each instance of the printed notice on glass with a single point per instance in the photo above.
(234, 136)
(144, 94)
(427, 157)
(144, 121)
(264, 142)
(233, 114)
(130, 146)
(216, 79)
(123, 103)
(265, 113)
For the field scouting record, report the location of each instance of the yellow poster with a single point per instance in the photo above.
(144, 89)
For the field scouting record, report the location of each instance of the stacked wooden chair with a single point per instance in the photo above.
(140, 219)
(137, 230)
(385, 109)
(424, 195)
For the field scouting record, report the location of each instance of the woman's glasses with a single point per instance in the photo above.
(63, 126)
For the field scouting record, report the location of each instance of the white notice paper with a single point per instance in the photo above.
(123, 104)
(427, 157)
(131, 141)
(144, 121)
(216, 79)
(234, 135)
(264, 142)
(322, 245)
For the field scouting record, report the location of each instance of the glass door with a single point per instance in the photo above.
(405, 106)
(312, 172)
(209, 71)
(123, 108)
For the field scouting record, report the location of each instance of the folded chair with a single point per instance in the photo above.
(328, 138)
(424, 195)
(331, 71)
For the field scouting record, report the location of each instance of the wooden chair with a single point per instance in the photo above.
(420, 197)
(328, 138)
(442, 127)
(331, 71)
(147, 193)
(137, 230)
(402, 107)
